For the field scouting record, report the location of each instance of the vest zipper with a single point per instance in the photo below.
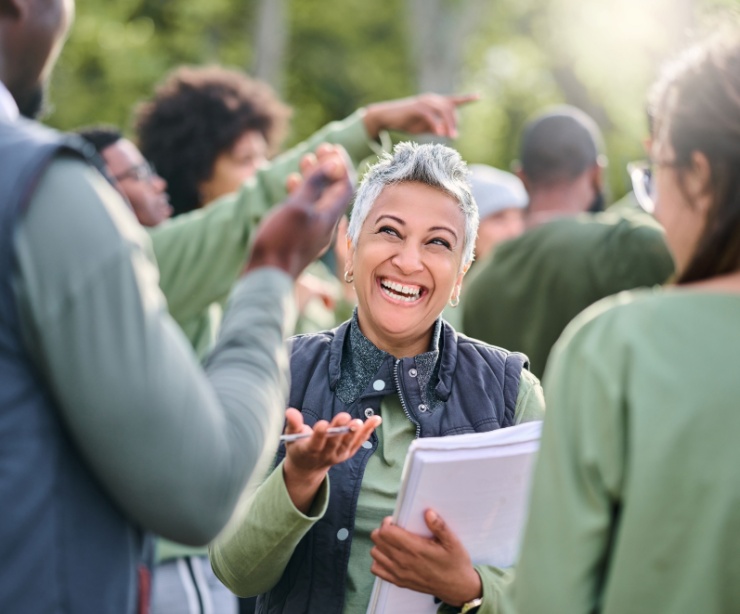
(397, 377)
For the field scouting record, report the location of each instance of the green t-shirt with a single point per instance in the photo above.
(524, 295)
(635, 496)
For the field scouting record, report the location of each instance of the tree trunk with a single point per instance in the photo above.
(438, 30)
(271, 36)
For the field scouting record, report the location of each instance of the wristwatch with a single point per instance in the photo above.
(472, 605)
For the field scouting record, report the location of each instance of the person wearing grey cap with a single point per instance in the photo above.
(501, 199)
(571, 254)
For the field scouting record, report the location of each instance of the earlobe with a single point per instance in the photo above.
(349, 258)
(699, 182)
(598, 176)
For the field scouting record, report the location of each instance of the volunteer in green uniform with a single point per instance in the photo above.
(635, 498)
(305, 543)
(571, 255)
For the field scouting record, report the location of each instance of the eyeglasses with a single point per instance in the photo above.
(643, 185)
(642, 175)
(140, 172)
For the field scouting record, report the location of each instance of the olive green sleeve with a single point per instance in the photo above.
(530, 403)
(251, 555)
(173, 447)
(578, 475)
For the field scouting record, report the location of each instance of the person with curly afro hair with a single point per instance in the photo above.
(208, 129)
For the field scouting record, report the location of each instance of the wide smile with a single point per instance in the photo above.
(401, 293)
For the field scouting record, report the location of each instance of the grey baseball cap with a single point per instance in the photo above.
(495, 190)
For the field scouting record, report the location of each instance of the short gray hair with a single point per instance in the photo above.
(432, 164)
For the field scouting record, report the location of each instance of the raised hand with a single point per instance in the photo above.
(293, 234)
(307, 461)
(438, 565)
(426, 113)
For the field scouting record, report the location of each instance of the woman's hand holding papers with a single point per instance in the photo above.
(437, 565)
(307, 461)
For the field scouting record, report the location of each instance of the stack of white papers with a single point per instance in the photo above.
(479, 484)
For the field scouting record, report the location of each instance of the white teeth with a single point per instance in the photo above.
(407, 293)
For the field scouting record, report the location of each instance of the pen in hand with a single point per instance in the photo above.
(334, 430)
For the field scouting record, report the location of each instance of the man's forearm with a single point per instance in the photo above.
(173, 447)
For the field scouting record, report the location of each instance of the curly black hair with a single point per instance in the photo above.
(198, 113)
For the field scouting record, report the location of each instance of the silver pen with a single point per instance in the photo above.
(332, 430)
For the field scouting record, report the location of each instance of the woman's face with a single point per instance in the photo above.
(406, 265)
(235, 166)
(680, 206)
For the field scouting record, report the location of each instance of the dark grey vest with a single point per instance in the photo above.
(479, 386)
(64, 545)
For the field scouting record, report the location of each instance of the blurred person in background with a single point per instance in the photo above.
(501, 199)
(634, 505)
(131, 174)
(571, 255)
(207, 130)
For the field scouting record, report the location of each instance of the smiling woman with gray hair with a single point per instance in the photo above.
(306, 547)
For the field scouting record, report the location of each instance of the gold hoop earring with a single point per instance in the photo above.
(348, 277)
(454, 301)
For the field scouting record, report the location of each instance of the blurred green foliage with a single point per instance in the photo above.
(524, 54)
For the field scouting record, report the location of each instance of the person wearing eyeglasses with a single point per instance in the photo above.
(634, 504)
(134, 177)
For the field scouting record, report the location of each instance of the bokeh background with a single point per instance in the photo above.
(325, 58)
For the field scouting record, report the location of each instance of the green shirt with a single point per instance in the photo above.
(200, 254)
(525, 294)
(635, 498)
(252, 556)
(171, 445)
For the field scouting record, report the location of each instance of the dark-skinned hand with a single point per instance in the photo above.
(426, 113)
(295, 233)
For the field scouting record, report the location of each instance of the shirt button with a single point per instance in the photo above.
(369, 412)
(413, 372)
(342, 534)
(367, 444)
(423, 408)
(378, 384)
